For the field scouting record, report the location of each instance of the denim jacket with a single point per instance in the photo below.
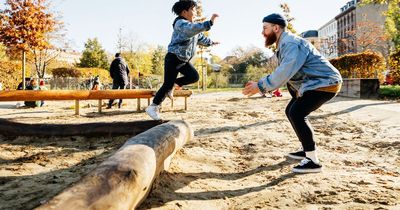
(300, 65)
(186, 36)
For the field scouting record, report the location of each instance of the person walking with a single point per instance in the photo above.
(311, 81)
(185, 37)
(119, 72)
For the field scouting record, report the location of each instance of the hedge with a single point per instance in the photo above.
(361, 65)
(394, 63)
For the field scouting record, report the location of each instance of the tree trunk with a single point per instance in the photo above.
(23, 69)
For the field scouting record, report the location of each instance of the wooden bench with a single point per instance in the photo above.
(77, 95)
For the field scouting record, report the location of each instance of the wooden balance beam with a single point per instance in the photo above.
(124, 180)
(77, 95)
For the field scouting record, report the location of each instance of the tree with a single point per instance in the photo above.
(157, 60)
(392, 24)
(368, 35)
(286, 12)
(94, 56)
(3, 53)
(26, 25)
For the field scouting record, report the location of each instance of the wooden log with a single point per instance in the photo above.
(124, 180)
(77, 107)
(9, 128)
(182, 93)
(138, 105)
(36, 95)
(100, 105)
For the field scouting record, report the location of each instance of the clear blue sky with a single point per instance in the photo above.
(150, 20)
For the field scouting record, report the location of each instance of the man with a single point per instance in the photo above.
(119, 72)
(311, 81)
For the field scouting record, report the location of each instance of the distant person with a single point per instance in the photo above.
(42, 86)
(32, 86)
(119, 72)
(311, 81)
(96, 85)
(20, 85)
(185, 37)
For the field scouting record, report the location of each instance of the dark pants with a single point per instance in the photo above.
(299, 108)
(172, 67)
(117, 85)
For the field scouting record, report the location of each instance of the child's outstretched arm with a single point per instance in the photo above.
(190, 29)
(205, 41)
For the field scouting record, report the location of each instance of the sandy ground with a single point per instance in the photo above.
(237, 159)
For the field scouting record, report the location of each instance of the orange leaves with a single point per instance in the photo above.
(361, 65)
(25, 24)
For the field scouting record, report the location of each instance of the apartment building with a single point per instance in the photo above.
(312, 37)
(328, 36)
(352, 24)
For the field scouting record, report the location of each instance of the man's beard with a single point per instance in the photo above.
(270, 39)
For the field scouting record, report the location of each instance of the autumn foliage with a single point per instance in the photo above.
(394, 62)
(83, 73)
(10, 74)
(361, 65)
(26, 24)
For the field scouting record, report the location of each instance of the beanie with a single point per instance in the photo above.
(275, 18)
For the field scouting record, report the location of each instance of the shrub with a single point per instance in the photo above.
(10, 74)
(390, 92)
(394, 63)
(66, 72)
(103, 74)
(361, 65)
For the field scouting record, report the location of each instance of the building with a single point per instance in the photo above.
(68, 57)
(350, 23)
(312, 37)
(327, 35)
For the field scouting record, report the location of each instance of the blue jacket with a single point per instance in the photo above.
(186, 36)
(300, 65)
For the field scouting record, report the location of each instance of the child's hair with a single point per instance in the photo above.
(183, 5)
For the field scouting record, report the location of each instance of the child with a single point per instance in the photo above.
(42, 86)
(185, 37)
(32, 86)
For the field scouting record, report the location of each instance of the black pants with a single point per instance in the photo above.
(117, 85)
(172, 67)
(299, 108)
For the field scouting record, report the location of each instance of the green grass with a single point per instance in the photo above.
(390, 92)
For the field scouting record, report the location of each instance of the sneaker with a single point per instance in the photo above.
(307, 166)
(299, 155)
(154, 112)
(170, 94)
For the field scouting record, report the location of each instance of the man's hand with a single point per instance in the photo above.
(213, 17)
(251, 88)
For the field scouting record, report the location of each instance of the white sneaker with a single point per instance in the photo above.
(170, 94)
(154, 112)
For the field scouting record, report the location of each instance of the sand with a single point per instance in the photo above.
(237, 159)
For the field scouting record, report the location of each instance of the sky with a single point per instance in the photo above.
(150, 21)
